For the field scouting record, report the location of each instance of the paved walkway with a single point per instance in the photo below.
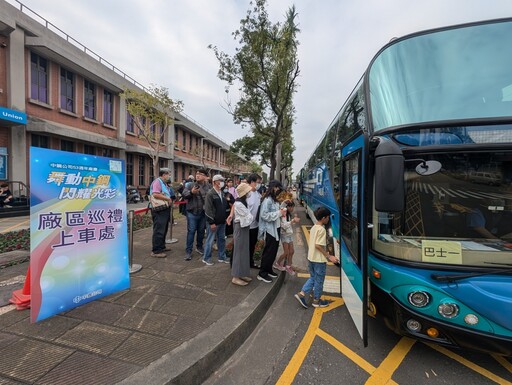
(177, 323)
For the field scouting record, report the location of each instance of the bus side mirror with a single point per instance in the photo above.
(389, 177)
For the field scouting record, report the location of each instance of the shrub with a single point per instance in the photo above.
(15, 240)
(257, 249)
(141, 221)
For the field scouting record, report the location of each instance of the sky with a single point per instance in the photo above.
(165, 43)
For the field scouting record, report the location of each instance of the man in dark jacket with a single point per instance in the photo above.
(195, 195)
(215, 207)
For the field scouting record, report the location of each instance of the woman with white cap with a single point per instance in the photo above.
(242, 218)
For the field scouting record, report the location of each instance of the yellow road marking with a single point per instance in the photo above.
(382, 375)
(503, 362)
(471, 365)
(13, 227)
(350, 354)
(300, 354)
(305, 275)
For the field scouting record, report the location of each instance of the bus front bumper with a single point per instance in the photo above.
(396, 317)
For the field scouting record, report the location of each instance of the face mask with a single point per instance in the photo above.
(225, 190)
(221, 185)
(258, 186)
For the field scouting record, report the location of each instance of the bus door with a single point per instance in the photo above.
(353, 230)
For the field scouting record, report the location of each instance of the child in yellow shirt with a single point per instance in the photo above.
(317, 257)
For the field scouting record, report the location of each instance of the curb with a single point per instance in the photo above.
(13, 257)
(195, 360)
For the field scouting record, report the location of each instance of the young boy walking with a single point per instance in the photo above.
(317, 257)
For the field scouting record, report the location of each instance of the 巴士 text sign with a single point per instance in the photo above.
(78, 230)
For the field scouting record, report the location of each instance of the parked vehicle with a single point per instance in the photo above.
(132, 195)
(406, 215)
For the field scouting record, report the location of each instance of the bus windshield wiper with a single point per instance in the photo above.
(457, 277)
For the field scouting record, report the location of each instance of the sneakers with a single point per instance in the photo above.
(200, 251)
(158, 255)
(272, 275)
(265, 278)
(188, 257)
(320, 303)
(207, 263)
(226, 260)
(239, 282)
(289, 270)
(302, 300)
(277, 266)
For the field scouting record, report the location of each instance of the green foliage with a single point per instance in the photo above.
(257, 249)
(15, 240)
(142, 221)
(152, 111)
(265, 67)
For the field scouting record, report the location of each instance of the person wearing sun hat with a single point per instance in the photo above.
(242, 218)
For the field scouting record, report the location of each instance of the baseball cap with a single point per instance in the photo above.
(217, 177)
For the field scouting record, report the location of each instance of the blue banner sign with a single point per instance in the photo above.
(13, 115)
(78, 230)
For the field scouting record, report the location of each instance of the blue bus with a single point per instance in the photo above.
(416, 168)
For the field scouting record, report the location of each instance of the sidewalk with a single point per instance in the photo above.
(177, 323)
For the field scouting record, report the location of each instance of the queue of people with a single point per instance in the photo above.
(213, 208)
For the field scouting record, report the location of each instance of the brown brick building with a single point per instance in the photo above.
(71, 98)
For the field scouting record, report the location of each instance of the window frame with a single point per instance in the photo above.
(108, 107)
(37, 68)
(89, 100)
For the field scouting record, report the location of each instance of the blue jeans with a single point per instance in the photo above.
(220, 231)
(316, 279)
(195, 223)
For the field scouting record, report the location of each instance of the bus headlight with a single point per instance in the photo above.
(419, 298)
(448, 310)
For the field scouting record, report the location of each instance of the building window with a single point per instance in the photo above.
(162, 141)
(176, 138)
(190, 143)
(67, 90)
(151, 170)
(39, 78)
(152, 129)
(184, 146)
(129, 123)
(142, 169)
(40, 141)
(89, 150)
(107, 152)
(108, 108)
(89, 100)
(129, 169)
(67, 145)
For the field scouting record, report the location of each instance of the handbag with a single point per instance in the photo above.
(158, 204)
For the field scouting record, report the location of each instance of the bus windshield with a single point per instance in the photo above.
(452, 74)
(461, 215)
